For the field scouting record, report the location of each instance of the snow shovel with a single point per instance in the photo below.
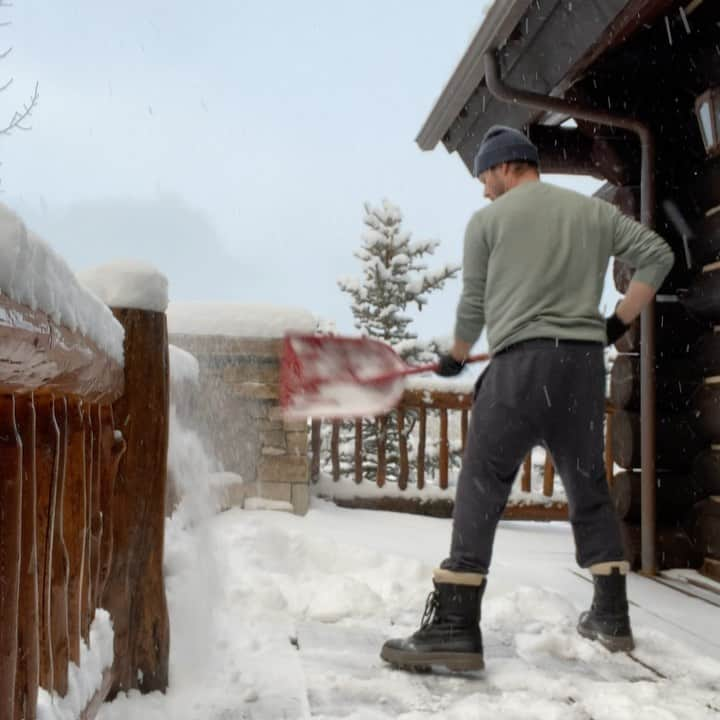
(342, 377)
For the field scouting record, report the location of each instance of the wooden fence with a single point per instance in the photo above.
(418, 404)
(71, 532)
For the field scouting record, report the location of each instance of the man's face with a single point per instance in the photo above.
(495, 181)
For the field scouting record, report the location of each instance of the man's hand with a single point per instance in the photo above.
(615, 328)
(448, 366)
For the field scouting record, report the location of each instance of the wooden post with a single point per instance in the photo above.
(335, 450)
(402, 442)
(315, 446)
(135, 591)
(548, 476)
(464, 427)
(11, 477)
(88, 609)
(27, 681)
(526, 479)
(422, 432)
(59, 562)
(47, 439)
(381, 425)
(96, 518)
(74, 522)
(444, 449)
(358, 450)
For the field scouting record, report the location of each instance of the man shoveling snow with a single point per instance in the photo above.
(533, 272)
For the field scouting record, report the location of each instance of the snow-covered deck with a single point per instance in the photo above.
(294, 611)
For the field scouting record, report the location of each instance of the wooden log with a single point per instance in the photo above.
(711, 568)
(437, 400)
(707, 527)
(403, 447)
(315, 447)
(673, 394)
(11, 479)
(422, 434)
(622, 275)
(706, 471)
(335, 450)
(702, 359)
(677, 444)
(705, 410)
(47, 457)
(381, 427)
(702, 299)
(674, 547)
(676, 494)
(706, 243)
(74, 513)
(28, 675)
(135, 592)
(358, 450)
(59, 560)
(444, 453)
(37, 354)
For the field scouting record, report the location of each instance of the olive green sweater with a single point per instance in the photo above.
(535, 261)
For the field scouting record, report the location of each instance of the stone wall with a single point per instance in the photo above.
(239, 399)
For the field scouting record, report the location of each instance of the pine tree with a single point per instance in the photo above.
(395, 276)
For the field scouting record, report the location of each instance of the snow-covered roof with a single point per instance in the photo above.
(237, 320)
(33, 274)
(128, 284)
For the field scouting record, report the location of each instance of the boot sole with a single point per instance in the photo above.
(424, 662)
(624, 643)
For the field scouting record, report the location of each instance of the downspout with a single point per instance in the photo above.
(508, 94)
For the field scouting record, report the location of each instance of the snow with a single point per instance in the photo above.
(184, 366)
(33, 274)
(128, 284)
(237, 320)
(83, 681)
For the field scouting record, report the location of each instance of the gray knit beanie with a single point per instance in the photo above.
(503, 144)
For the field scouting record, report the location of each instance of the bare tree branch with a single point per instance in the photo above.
(19, 117)
(6, 53)
(7, 85)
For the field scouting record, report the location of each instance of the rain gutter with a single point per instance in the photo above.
(509, 94)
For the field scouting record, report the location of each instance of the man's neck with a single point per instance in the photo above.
(523, 179)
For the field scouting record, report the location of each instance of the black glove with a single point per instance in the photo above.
(448, 366)
(615, 328)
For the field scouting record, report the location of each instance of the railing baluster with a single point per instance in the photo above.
(96, 523)
(381, 426)
(11, 457)
(88, 611)
(358, 450)
(464, 427)
(28, 677)
(59, 560)
(444, 449)
(74, 524)
(335, 450)
(422, 432)
(47, 439)
(402, 442)
(526, 480)
(548, 476)
(315, 445)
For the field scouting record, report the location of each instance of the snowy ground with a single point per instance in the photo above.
(276, 616)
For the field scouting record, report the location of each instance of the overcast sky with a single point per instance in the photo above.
(232, 144)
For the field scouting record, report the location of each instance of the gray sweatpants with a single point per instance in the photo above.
(538, 392)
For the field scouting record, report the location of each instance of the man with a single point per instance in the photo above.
(533, 272)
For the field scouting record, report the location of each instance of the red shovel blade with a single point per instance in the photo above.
(339, 377)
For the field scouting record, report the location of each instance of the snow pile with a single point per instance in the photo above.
(184, 366)
(128, 284)
(236, 320)
(83, 681)
(32, 274)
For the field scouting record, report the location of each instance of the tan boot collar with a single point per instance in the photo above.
(606, 568)
(450, 577)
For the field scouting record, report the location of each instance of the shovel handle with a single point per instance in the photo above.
(417, 369)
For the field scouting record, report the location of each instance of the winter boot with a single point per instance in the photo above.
(607, 620)
(449, 634)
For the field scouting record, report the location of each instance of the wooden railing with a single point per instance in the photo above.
(420, 403)
(64, 474)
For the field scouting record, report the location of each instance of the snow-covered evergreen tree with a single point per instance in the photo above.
(395, 277)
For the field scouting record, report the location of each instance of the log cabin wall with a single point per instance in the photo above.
(239, 404)
(81, 518)
(657, 76)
